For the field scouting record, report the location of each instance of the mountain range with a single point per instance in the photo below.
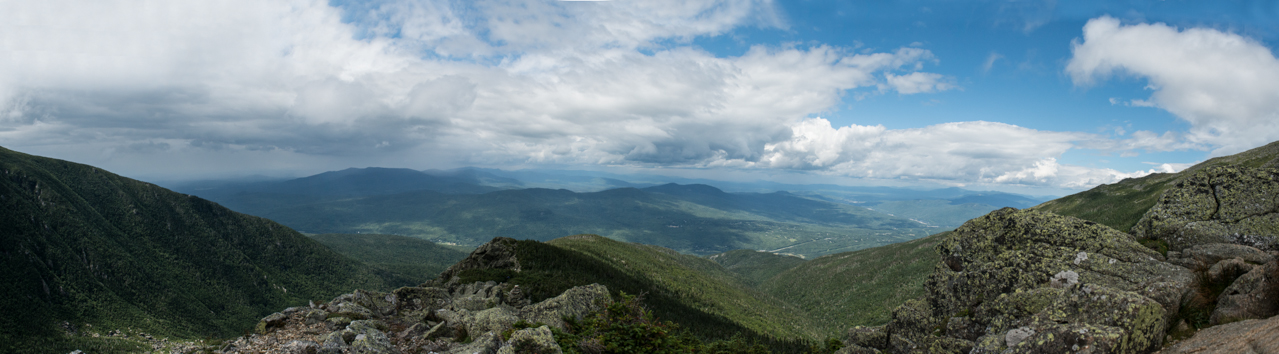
(469, 206)
(89, 253)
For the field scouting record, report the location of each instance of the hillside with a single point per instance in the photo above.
(688, 290)
(1121, 205)
(857, 288)
(754, 267)
(405, 257)
(82, 246)
(695, 219)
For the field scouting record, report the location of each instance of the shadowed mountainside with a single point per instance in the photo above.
(82, 246)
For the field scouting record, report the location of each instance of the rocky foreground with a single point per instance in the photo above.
(1018, 281)
(1013, 281)
(437, 317)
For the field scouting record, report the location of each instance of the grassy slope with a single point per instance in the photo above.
(754, 267)
(857, 288)
(85, 246)
(1122, 204)
(407, 257)
(699, 282)
(690, 290)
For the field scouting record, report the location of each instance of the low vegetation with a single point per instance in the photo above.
(856, 288)
(87, 251)
(412, 259)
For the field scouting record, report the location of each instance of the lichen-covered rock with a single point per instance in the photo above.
(1022, 281)
(856, 349)
(477, 296)
(573, 302)
(301, 347)
(1243, 337)
(419, 299)
(488, 343)
(1254, 295)
(1217, 205)
(870, 337)
(531, 340)
(1011, 310)
(1008, 249)
(912, 320)
(497, 319)
(1202, 257)
(369, 337)
(498, 253)
(1140, 320)
(270, 321)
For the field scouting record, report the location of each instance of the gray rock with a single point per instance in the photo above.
(270, 322)
(1201, 257)
(870, 337)
(476, 296)
(531, 340)
(1243, 337)
(1217, 205)
(488, 343)
(1017, 335)
(313, 316)
(497, 320)
(1226, 271)
(1009, 251)
(369, 337)
(912, 320)
(856, 349)
(1254, 295)
(1065, 278)
(415, 304)
(301, 347)
(498, 253)
(574, 302)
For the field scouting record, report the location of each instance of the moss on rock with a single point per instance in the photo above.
(1217, 205)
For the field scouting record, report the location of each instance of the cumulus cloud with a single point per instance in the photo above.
(1224, 84)
(516, 80)
(288, 84)
(961, 152)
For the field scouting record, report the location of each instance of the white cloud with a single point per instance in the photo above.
(961, 152)
(285, 84)
(990, 61)
(546, 81)
(918, 82)
(1222, 83)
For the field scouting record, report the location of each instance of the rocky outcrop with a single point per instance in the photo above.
(1018, 281)
(1244, 337)
(1254, 295)
(496, 254)
(481, 317)
(421, 319)
(1234, 205)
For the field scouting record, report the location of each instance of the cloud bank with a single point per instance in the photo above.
(256, 85)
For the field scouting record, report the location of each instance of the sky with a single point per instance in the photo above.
(1026, 96)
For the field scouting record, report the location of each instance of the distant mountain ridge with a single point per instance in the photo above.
(691, 218)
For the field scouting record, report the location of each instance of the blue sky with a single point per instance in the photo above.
(1040, 97)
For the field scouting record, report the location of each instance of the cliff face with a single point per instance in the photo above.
(1034, 282)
